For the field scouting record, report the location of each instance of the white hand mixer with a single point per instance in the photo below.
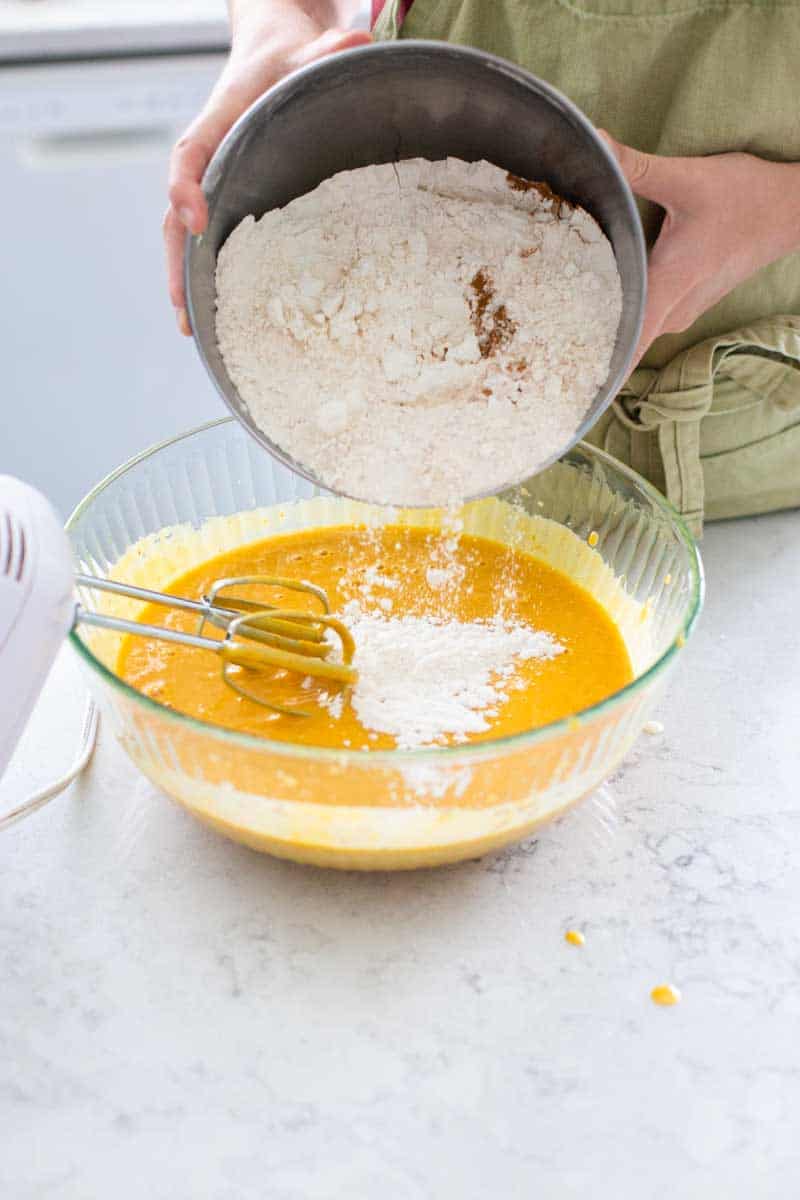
(38, 607)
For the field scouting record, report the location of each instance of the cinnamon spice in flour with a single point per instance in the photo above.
(493, 327)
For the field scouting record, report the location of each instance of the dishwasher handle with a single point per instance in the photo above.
(106, 147)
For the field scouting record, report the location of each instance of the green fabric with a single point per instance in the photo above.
(718, 428)
(711, 416)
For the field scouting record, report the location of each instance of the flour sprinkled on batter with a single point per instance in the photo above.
(429, 681)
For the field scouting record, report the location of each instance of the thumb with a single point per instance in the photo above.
(334, 40)
(651, 176)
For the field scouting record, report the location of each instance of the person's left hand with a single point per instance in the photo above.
(727, 216)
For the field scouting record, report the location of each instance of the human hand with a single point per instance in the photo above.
(727, 216)
(264, 48)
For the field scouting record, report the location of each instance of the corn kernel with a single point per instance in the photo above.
(666, 995)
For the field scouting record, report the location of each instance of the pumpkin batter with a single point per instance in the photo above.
(397, 568)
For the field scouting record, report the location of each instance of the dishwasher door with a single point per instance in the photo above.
(94, 368)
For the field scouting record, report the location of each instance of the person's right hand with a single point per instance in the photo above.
(262, 52)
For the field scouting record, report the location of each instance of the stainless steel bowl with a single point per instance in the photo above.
(410, 99)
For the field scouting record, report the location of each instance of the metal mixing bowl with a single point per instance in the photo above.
(410, 99)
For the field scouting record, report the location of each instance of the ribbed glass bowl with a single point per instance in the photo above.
(215, 488)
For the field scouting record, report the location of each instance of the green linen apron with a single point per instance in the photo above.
(712, 415)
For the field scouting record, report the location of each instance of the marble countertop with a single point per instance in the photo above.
(181, 1017)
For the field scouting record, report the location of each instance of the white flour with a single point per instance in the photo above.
(427, 680)
(419, 332)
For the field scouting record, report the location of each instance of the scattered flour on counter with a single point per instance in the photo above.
(427, 680)
(419, 332)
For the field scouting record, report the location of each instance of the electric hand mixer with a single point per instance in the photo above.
(38, 607)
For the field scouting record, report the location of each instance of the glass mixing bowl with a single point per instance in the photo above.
(214, 488)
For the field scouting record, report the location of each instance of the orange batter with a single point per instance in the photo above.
(495, 579)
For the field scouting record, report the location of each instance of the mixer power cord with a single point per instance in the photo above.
(91, 720)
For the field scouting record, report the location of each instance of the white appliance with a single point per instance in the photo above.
(36, 29)
(94, 368)
(37, 603)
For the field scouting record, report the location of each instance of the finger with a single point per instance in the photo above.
(661, 297)
(650, 331)
(679, 284)
(334, 40)
(651, 176)
(188, 161)
(174, 236)
(671, 295)
(188, 209)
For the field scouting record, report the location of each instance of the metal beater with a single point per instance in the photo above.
(257, 635)
(38, 607)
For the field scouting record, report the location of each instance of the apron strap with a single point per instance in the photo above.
(390, 18)
(762, 358)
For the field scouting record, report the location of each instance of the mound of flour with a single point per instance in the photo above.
(426, 680)
(419, 332)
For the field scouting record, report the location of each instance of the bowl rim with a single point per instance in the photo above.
(282, 92)
(436, 754)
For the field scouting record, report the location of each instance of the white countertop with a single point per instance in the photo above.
(181, 1017)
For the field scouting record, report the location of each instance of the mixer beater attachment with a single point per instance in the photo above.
(257, 636)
